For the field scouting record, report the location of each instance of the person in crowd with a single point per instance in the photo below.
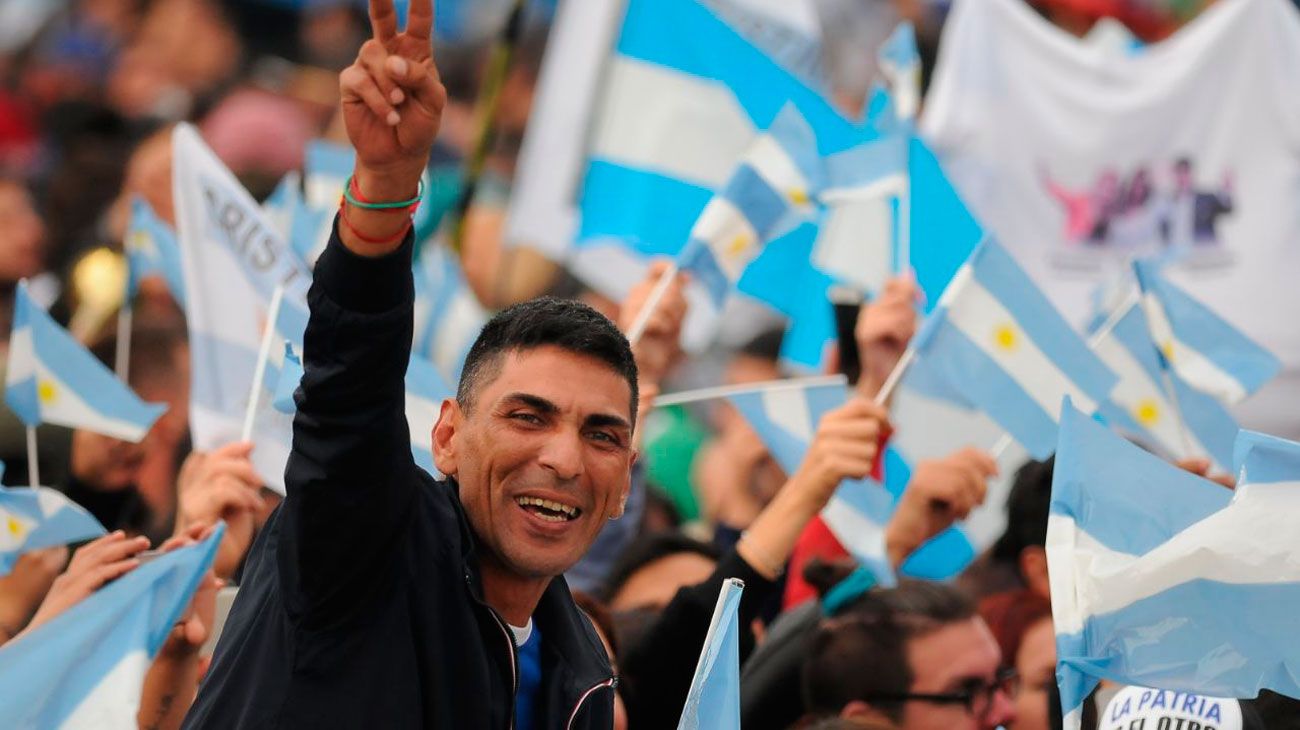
(1021, 621)
(651, 571)
(915, 657)
(601, 618)
(1017, 558)
(376, 596)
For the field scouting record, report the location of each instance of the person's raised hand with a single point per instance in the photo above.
(189, 633)
(392, 97)
(1201, 466)
(221, 485)
(885, 327)
(940, 492)
(92, 566)
(23, 589)
(845, 447)
(659, 346)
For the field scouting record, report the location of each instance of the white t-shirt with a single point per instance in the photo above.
(1079, 155)
(522, 633)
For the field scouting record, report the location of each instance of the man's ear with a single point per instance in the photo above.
(863, 712)
(1033, 569)
(444, 437)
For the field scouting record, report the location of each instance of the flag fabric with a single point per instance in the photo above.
(872, 169)
(1141, 405)
(32, 518)
(151, 250)
(1162, 579)
(785, 417)
(1205, 350)
(713, 701)
(998, 342)
(901, 64)
(278, 206)
(86, 667)
(52, 378)
(448, 315)
(774, 180)
(287, 381)
(233, 258)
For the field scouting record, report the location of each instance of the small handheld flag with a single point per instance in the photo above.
(151, 250)
(1210, 354)
(998, 341)
(53, 379)
(1162, 579)
(713, 702)
(86, 667)
(290, 376)
(32, 518)
(901, 64)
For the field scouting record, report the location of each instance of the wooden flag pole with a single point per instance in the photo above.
(33, 465)
(122, 355)
(263, 354)
(723, 391)
(647, 310)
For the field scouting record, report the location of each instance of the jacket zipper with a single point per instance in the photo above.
(514, 673)
(611, 683)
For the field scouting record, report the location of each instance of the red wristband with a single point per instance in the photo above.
(343, 219)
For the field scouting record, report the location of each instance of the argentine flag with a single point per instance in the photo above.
(713, 701)
(32, 518)
(86, 667)
(1140, 404)
(1001, 347)
(1210, 354)
(1165, 580)
(287, 381)
(774, 181)
(448, 315)
(901, 65)
(785, 417)
(151, 250)
(53, 379)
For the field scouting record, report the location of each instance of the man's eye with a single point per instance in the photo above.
(526, 418)
(605, 437)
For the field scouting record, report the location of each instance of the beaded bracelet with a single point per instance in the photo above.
(352, 194)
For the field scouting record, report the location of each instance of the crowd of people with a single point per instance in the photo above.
(373, 594)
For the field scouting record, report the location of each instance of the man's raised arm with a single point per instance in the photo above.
(350, 479)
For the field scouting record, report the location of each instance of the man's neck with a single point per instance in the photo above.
(513, 597)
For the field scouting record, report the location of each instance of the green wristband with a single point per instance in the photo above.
(352, 200)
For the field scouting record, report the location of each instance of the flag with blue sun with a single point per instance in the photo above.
(52, 378)
(997, 341)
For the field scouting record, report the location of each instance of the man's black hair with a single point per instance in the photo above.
(765, 345)
(540, 322)
(1027, 507)
(648, 549)
(862, 653)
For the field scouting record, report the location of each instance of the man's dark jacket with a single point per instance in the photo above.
(361, 605)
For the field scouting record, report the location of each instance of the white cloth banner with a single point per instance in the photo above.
(233, 258)
(1080, 155)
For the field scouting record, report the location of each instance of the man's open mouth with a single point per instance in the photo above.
(548, 510)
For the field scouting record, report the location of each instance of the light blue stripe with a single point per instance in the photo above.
(650, 213)
(1265, 459)
(869, 162)
(22, 400)
(756, 200)
(944, 233)
(70, 523)
(783, 278)
(988, 386)
(683, 35)
(792, 132)
(165, 258)
(1002, 277)
(943, 557)
(699, 261)
(423, 380)
(1199, 328)
(900, 48)
(1220, 639)
(322, 157)
(1125, 498)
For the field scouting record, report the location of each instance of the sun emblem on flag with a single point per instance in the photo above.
(798, 196)
(1147, 412)
(15, 528)
(1006, 337)
(1167, 349)
(139, 241)
(47, 391)
(738, 244)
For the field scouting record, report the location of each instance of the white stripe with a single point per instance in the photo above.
(66, 408)
(50, 500)
(114, 701)
(1064, 559)
(1198, 370)
(855, 242)
(660, 120)
(1136, 391)
(982, 318)
(22, 356)
(421, 417)
(789, 409)
(773, 163)
(729, 234)
(454, 332)
(1252, 541)
(882, 187)
(855, 530)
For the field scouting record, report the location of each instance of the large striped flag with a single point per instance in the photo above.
(1162, 579)
(32, 518)
(52, 378)
(785, 417)
(1198, 344)
(999, 343)
(86, 667)
(448, 315)
(1141, 403)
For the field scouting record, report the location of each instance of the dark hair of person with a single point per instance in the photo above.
(540, 322)
(599, 614)
(765, 345)
(155, 354)
(862, 653)
(1011, 614)
(650, 549)
(1027, 507)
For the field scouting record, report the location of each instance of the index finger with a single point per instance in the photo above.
(419, 19)
(383, 20)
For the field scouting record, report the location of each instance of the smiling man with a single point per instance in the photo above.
(377, 596)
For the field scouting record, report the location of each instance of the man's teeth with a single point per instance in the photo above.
(555, 512)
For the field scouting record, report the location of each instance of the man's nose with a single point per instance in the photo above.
(562, 454)
(1001, 713)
